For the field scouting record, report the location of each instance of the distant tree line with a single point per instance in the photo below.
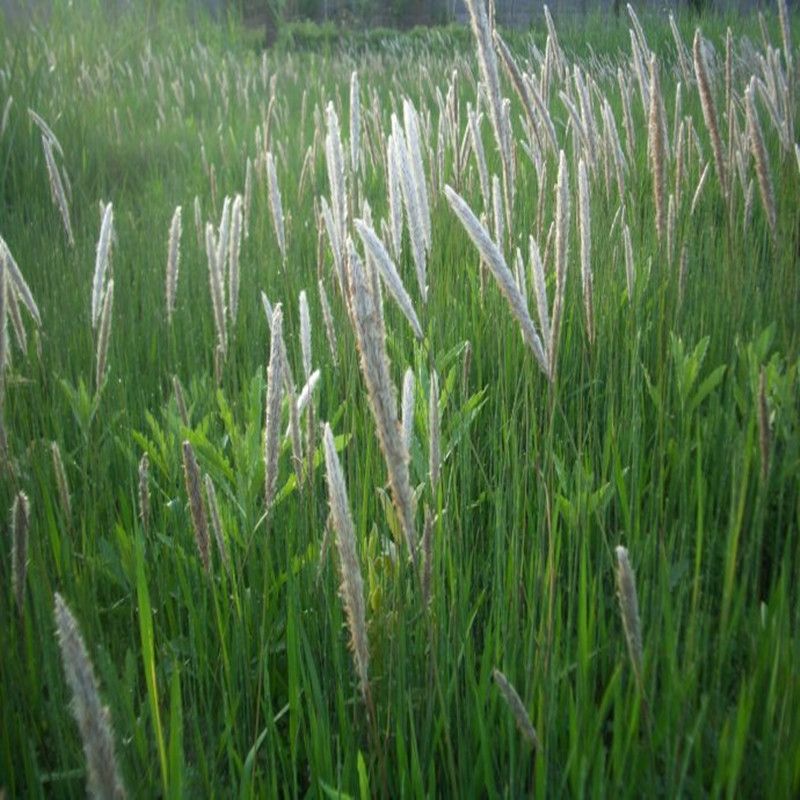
(399, 13)
(408, 13)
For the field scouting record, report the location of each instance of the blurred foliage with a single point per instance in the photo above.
(357, 13)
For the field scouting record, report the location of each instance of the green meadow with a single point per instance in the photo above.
(667, 421)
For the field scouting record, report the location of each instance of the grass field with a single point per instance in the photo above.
(662, 413)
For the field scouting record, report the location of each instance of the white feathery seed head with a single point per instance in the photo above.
(352, 587)
(562, 248)
(629, 607)
(760, 158)
(101, 263)
(173, 258)
(516, 707)
(104, 336)
(57, 188)
(407, 402)
(355, 123)
(276, 205)
(374, 361)
(94, 719)
(416, 228)
(275, 384)
(305, 333)
(327, 318)
(586, 248)
(540, 290)
(434, 433)
(493, 258)
(389, 274)
(17, 283)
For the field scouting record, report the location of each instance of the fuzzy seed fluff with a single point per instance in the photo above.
(93, 718)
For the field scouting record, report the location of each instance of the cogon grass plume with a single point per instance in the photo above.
(627, 114)
(562, 249)
(20, 524)
(173, 258)
(325, 218)
(416, 227)
(517, 708)
(104, 335)
(498, 214)
(198, 222)
(352, 587)
(234, 252)
(411, 125)
(519, 277)
(374, 361)
(699, 190)
(670, 228)
(783, 15)
(294, 419)
(267, 306)
(305, 334)
(223, 238)
(327, 318)
(355, 123)
(274, 398)
(93, 718)
(520, 85)
(759, 151)
(493, 258)
(336, 176)
(480, 155)
(61, 481)
(57, 188)
(407, 406)
(709, 110)
(216, 521)
(303, 400)
(17, 283)
(656, 149)
(639, 55)
(680, 174)
(629, 608)
(586, 248)
(46, 131)
(248, 198)
(16, 320)
(180, 401)
(217, 289)
(389, 274)
(427, 557)
(394, 191)
(683, 51)
(101, 263)
(307, 392)
(539, 289)
(637, 29)
(276, 206)
(144, 491)
(487, 62)
(5, 115)
(434, 448)
(729, 92)
(748, 205)
(191, 476)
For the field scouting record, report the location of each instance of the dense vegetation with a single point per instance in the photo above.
(669, 423)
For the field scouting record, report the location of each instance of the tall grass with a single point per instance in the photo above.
(490, 572)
